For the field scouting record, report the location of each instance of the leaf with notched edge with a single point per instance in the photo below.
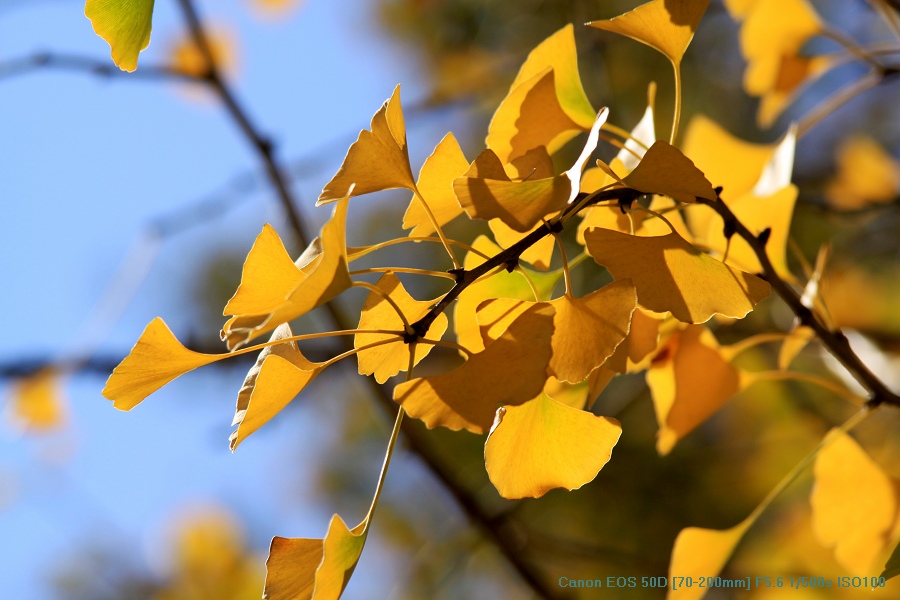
(435, 185)
(125, 25)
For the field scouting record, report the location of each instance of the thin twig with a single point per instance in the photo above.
(103, 68)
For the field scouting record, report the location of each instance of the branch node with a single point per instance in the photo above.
(458, 274)
(763, 236)
(511, 264)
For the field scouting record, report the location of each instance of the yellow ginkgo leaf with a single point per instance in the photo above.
(700, 553)
(546, 105)
(854, 504)
(273, 290)
(501, 285)
(186, 57)
(435, 184)
(543, 444)
(689, 380)
(125, 25)
(510, 371)
(668, 26)
(377, 313)
(538, 255)
(793, 344)
(586, 331)
(156, 359)
(297, 567)
(534, 164)
(771, 31)
(280, 373)
(577, 395)
(795, 75)
(274, 8)
(866, 175)
(665, 170)
(672, 275)
(377, 160)
(36, 401)
(635, 351)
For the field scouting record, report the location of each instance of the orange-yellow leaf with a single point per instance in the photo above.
(156, 359)
(510, 371)
(538, 255)
(672, 275)
(866, 175)
(280, 373)
(377, 160)
(273, 290)
(701, 553)
(301, 568)
(274, 8)
(543, 444)
(546, 104)
(793, 344)
(633, 354)
(665, 25)
(377, 313)
(689, 380)
(125, 25)
(795, 75)
(36, 401)
(665, 170)
(185, 56)
(854, 504)
(435, 184)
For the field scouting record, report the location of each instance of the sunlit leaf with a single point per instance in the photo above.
(156, 359)
(125, 25)
(546, 104)
(672, 275)
(543, 444)
(634, 353)
(793, 344)
(273, 290)
(36, 402)
(538, 255)
(185, 56)
(866, 175)
(689, 380)
(854, 504)
(665, 25)
(795, 75)
(701, 553)
(387, 360)
(300, 568)
(377, 160)
(665, 170)
(435, 184)
(280, 373)
(510, 371)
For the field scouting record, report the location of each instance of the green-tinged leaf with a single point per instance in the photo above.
(125, 25)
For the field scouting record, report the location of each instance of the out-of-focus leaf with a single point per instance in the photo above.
(387, 360)
(793, 344)
(125, 25)
(377, 160)
(274, 290)
(854, 504)
(510, 371)
(866, 175)
(156, 359)
(795, 75)
(700, 553)
(892, 566)
(185, 56)
(672, 275)
(36, 402)
(543, 444)
(435, 184)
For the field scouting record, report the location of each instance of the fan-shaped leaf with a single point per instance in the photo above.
(445, 164)
(125, 25)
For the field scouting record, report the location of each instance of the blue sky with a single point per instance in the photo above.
(86, 164)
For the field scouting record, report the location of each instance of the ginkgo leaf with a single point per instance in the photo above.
(156, 359)
(377, 313)
(665, 25)
(538, 254)
(186, 57)
(665, 170)
(700, 553)
(500, 285)
(125, 25)
(543, 444)
(577, 395)
(795, 75)
(274, 8)
(510, 371)
(672, 275)
(36, 401)
(377, 160)
(866, 175)
(279, 374)
(689, 380)
(635, 351)
(546, 104)
(435, 185)
(854, 504)
(273, 290)
(301, 568)
(793, 344)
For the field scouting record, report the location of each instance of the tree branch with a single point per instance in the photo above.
(74, 62)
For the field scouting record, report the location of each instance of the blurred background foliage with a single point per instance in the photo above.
(623, 523)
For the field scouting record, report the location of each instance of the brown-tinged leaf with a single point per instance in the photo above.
(388, 360)
(672, 275)
(156, 359)
(854, 504)
(510, 371)
(689, 380)
(435, 185)
(36, 402)
(377, 160)
(544, 444)
(273, 290)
